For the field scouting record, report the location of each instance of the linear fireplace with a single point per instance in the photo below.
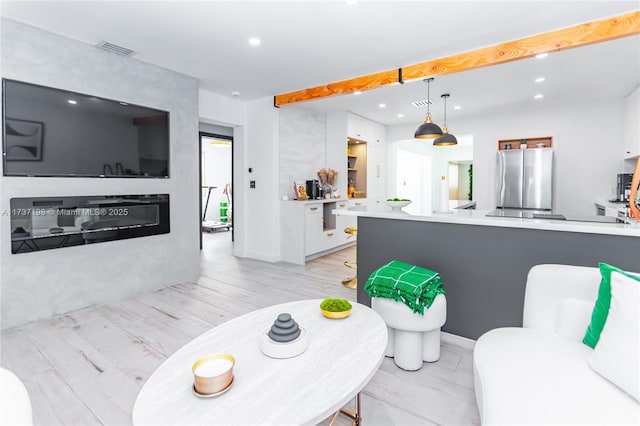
(44, 223)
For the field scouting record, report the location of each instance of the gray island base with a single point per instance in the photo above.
(483, 268)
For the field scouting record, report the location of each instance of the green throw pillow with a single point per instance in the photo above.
(601, 308)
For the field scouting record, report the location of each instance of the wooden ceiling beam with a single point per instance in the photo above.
(552, 41)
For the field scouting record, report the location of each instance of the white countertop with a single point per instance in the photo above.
(478, 217)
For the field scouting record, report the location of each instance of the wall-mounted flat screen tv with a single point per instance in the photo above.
(53, 132)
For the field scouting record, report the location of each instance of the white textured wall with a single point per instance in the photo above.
(586, 161)
(262, 208)
(41, 284)
(303, 152)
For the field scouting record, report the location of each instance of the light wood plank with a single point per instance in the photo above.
(53, 402)
(126, 351)
(148, 325)
(433, 404)
(20, 356)
(105, 389)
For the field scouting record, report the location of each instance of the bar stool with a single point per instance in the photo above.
(351, 282)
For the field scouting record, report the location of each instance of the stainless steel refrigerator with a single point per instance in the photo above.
(523, 179)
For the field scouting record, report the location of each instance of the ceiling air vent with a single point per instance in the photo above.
(114, 48)
(421, 104)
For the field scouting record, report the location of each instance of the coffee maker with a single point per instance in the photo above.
(623, 189)
(314, 190)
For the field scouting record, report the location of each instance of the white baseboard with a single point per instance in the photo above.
(457, 340)
(266, 257)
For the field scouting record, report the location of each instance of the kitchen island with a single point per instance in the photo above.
(484, 261)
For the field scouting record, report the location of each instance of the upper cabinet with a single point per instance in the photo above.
(364, 163)
(631, 125)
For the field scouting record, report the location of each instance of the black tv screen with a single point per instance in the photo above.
(53, 132)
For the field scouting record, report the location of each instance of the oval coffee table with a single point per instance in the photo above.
(343, 355)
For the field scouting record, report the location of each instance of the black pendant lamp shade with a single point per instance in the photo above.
(428, 129)
(447, 139)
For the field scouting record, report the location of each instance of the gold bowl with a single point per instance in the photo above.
(213, 373)
(336, 315)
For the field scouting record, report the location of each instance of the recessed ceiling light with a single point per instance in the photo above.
(539, 96)
(382, 105)
(457, 107)
(254, 41)
(542, 55)
(539, 79)
(400, 115)
(72, 102)
(357, 92)
(235, 93)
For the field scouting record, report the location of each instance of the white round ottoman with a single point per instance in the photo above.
(412, 338)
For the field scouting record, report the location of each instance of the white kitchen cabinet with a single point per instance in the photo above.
(313, 242)
(631, 125)
(378, 134)
(359, 128)
(309, 229)
(376, 171)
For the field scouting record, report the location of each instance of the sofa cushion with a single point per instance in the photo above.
(617, 354)
(529, 376)
(572, 318)
(601, 308)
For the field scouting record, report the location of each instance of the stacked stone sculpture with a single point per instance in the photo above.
(284, 329)
(284, 339)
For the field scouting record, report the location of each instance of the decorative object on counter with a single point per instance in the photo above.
(302, 193)
(397, 203)
(335, 308)
(523, 144)
(328, 179)
(285, 338)
(428, 129)
(634, 200)
(447, 139)
(213, 375)
(352, 189)
(444, 196)
(507, 146)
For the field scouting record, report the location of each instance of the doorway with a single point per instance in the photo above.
(216, 184)
(414, 180)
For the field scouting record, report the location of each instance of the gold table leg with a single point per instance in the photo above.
(353, 416)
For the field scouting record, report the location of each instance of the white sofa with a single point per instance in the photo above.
(539, 374)
(15, 406)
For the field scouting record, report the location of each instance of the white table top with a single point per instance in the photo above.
(343, 355)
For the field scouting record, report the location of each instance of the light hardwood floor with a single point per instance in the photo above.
(86, 367)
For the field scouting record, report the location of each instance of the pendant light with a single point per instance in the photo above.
(428, 129)
(447, 139)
